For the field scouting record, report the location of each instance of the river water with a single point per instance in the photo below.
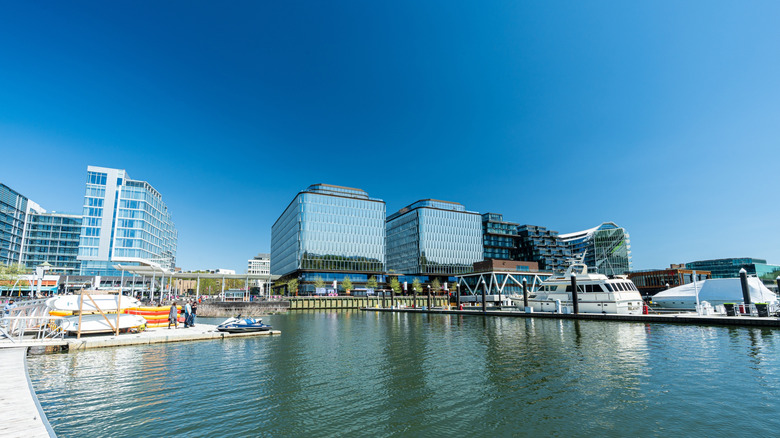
(352, 373)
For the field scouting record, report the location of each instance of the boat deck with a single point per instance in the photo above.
(200, 332)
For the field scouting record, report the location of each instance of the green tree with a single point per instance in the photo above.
(416, 286)
(292, 287)
(319, 283)
(371, 283)
(454, 286)
(436, 286)
(346, 283)
(10, 274)
(395, 285)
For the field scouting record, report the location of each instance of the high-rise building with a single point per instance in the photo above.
(260, 264)
(431, 237)
(13, 208)
(126, 221)
(52, 238)
(499, 238)
(607, 248)
(543, 246)
(328, 232)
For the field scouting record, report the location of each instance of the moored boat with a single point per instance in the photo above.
(243, 325)
(106, 302)
(91, 324)
(596, 293)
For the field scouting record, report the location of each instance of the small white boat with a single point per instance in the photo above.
(98, 324)
(106, 302)
(596, 293)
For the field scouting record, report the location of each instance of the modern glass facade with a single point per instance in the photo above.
(607, 248)
(431, 237)
(543, 246)
(729, 268)
(52, 238)
(124, 221)
(329, 229)
(499, 238)
(13, 208)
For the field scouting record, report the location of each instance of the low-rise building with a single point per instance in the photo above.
(651, 282)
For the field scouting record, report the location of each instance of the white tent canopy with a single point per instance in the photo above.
(715, 291)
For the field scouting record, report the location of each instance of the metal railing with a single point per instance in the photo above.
(24, 328)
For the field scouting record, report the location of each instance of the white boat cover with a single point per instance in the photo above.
(106, 302)
(717, 291)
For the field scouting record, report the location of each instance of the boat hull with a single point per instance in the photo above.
(98, 324)
(106, 302)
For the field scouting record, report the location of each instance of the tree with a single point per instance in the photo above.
(371, 283)
(292, 286)
(319, 283)
(454, 287)
(416, 286)
(346, 283)
(436, 286)
(395, 285)
(10, 274)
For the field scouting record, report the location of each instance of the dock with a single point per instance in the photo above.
(679, 318)
(22, 414)
(201, 332)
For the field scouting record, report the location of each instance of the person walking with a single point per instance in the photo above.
(187, 314)
(194, 313)
(173, 316)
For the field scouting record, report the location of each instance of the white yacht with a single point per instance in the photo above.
(596, 293)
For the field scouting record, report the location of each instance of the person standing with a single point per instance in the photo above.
(194, 313)
(173, 316)
(187, 314)
(11, 305)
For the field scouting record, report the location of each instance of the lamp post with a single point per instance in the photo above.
(40, 271)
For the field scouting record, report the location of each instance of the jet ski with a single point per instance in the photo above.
(243, 325)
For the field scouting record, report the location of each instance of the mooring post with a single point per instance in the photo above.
(429, 297)
(484, 292)
(525, 293)
(778, 284)
(392, 298)
(574, 293)
(414, 298)
(745, 291)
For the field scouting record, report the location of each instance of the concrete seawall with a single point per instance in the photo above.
(252, 308)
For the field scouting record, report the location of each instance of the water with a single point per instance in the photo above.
(370, 374)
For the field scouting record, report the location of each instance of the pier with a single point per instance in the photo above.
(201, 332)
(679, 318)
(22, 414)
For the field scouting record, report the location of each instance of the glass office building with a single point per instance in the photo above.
(329, 231)
(125, 221)
(607, 248)
(52, 238)
(543, 246)
(729, 268)
(13, 208)
(431, 237)
(499, 238)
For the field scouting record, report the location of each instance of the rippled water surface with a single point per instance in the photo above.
(372, 374)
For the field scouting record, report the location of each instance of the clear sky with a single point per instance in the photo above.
(662, 116)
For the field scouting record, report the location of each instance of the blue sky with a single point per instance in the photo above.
(662, 116)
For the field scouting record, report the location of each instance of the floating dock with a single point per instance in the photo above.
(201, 332)
(679, 318)
(22, 414)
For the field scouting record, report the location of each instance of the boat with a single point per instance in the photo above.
(106, 302)
(91, 324)
(716, 291)
(596, 293)
(243, 325)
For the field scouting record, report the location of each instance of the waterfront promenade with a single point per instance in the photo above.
(678, 318)
(22, 415)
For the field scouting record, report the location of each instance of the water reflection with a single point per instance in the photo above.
(384, 374)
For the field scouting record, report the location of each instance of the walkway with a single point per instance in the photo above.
(22, 414)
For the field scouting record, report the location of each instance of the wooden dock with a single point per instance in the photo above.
(22, 414)
(201, 332)
(680, 318)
